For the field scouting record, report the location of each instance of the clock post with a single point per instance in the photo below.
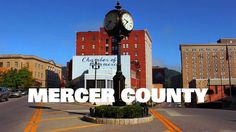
(118, 24)
(119, 78)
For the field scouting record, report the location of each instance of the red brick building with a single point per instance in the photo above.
(217, 88)
(138, 45)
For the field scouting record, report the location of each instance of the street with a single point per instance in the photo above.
(14, 114)
(201, 120)
(17, 115)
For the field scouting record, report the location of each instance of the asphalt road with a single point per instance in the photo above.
(15, 114)
(201, 120)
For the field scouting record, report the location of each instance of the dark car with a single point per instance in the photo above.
(4, 94)
(15, 93)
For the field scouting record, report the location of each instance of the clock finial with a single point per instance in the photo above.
(118, 6)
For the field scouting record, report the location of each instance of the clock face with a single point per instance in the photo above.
(127, 21)
(111, 21)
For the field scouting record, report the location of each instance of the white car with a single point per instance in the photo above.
(15, 93)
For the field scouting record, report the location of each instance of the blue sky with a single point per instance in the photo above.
(46, 28)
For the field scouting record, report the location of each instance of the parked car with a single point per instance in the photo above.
(24, 92)
(4, 94)
(15, 93)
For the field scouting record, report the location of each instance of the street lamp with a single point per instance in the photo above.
(95, 66)
(118, 24)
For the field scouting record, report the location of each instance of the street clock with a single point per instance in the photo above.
(118, 22)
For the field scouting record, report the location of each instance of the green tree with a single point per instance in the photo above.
(24, 78)
(9, 79)
(18, 79)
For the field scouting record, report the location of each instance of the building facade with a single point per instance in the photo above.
(218, 88)
(138, 45)
(46, 72)
(208, 61)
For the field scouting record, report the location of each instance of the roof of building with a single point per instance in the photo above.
(5, 56)
(213, 44)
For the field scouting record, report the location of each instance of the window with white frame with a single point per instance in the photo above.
(127, 45)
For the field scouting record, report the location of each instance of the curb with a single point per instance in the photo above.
(118, 121)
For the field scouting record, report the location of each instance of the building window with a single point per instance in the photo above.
(214, 50)
(35, 65)
(93, 46)
(107, 41)
(94, 38)
(27, 64)
(136, 53)
(109, 84)
(107, 48)
(38, 66)
(123, 45)
(35, 74)
(82, 53)
(82, 38)
(135, 46)
(41, 75)
(1, 64)
(127, 45)
(127, 53)
(8, 64)
(16, 64)
(82, 47)
(136, 37)
(201, 50)
(126, 38)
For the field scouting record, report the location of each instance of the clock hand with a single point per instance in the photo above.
(126, 21)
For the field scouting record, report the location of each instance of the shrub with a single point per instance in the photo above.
(133, 111)
(129, 111)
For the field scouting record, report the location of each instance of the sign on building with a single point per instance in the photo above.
(82, 69)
